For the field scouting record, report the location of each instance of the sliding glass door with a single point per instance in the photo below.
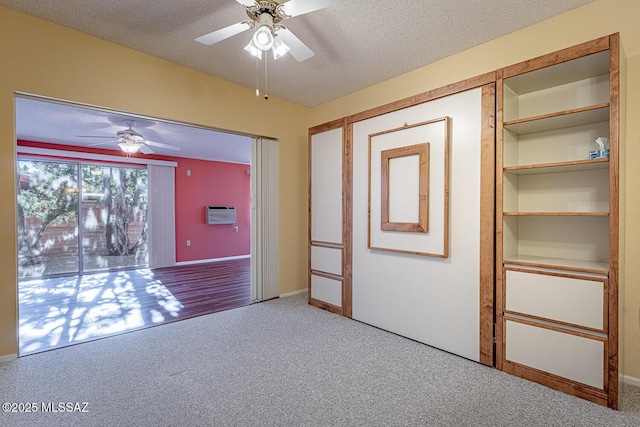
(114, 217)
(64, 228)
(47, 218)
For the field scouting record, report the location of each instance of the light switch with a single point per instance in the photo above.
(188, 172)
(188, 242)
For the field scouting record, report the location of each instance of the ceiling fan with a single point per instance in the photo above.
(271, 34)
(131, 141)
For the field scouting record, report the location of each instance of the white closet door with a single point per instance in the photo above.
(326, 275)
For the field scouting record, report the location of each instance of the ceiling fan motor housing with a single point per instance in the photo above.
(266, 10)
(131, 136)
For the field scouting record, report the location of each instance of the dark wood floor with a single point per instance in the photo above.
(58, 312)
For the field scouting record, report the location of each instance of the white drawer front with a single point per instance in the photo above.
(326, 290)
(575, 301)
(566, 355)
(328, 260)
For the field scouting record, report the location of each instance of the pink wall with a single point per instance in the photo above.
(210, 184)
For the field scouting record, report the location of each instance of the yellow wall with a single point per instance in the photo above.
(49, 60)
(597, 19)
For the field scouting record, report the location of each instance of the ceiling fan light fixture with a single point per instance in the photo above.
(279, 48)
(129, 147)
(253, 49)
(263, 38)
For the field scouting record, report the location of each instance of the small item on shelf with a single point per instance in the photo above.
(601, 152)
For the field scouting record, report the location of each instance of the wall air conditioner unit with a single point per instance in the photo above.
(221, 215)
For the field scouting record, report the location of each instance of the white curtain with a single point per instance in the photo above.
(161, 216)
(264, 219)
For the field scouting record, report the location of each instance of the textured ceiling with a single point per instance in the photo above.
(358, 43)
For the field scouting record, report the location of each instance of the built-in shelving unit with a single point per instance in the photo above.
(557, 220)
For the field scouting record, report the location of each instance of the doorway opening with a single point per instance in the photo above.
(102, 236)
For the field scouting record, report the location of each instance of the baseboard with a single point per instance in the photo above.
(8, 357)
(204, 261)
(630, 380)
(290, 294)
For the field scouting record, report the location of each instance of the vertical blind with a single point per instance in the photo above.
(161, 216)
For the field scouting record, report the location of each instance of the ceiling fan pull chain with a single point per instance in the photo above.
(266, 81)
(257, 75)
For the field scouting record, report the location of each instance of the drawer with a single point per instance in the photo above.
(569, 355)
(328, 260)
(573, 300)
(326, 290)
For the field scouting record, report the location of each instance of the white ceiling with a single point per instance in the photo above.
(357, 43)
(42, 121)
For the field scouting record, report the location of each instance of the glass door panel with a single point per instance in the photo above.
(47, 218)
(114, 217)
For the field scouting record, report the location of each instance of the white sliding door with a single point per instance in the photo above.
(264, 219)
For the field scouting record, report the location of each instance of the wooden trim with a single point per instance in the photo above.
(445, 246)
(580, 50)
(347, 219)
(556, 114)
(487, 224)
(554, 267)
(574, 388)
(325, 305)
(508, 169)
(556, 274)
(422, 151)
(614, 215)
(325, 127)
(309, 209)
(600, 214)
(431, 95)
(558, 322)
(329, 245)
(400, 251)
(327, 275)
(499, 243)
(556, 329)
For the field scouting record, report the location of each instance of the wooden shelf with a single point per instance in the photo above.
(601, 214)
(559, 120)
(589, 66)
(594, 267)
(558, 215)
(558, 167)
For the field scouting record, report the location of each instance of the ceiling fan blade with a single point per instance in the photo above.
(161, 145)
(223, 33)
(92, 136)
(145, 150)
(300, 7)
(246, 3)
(299, 50)
(100, 143)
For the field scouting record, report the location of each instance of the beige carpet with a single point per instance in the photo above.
(279, 363)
